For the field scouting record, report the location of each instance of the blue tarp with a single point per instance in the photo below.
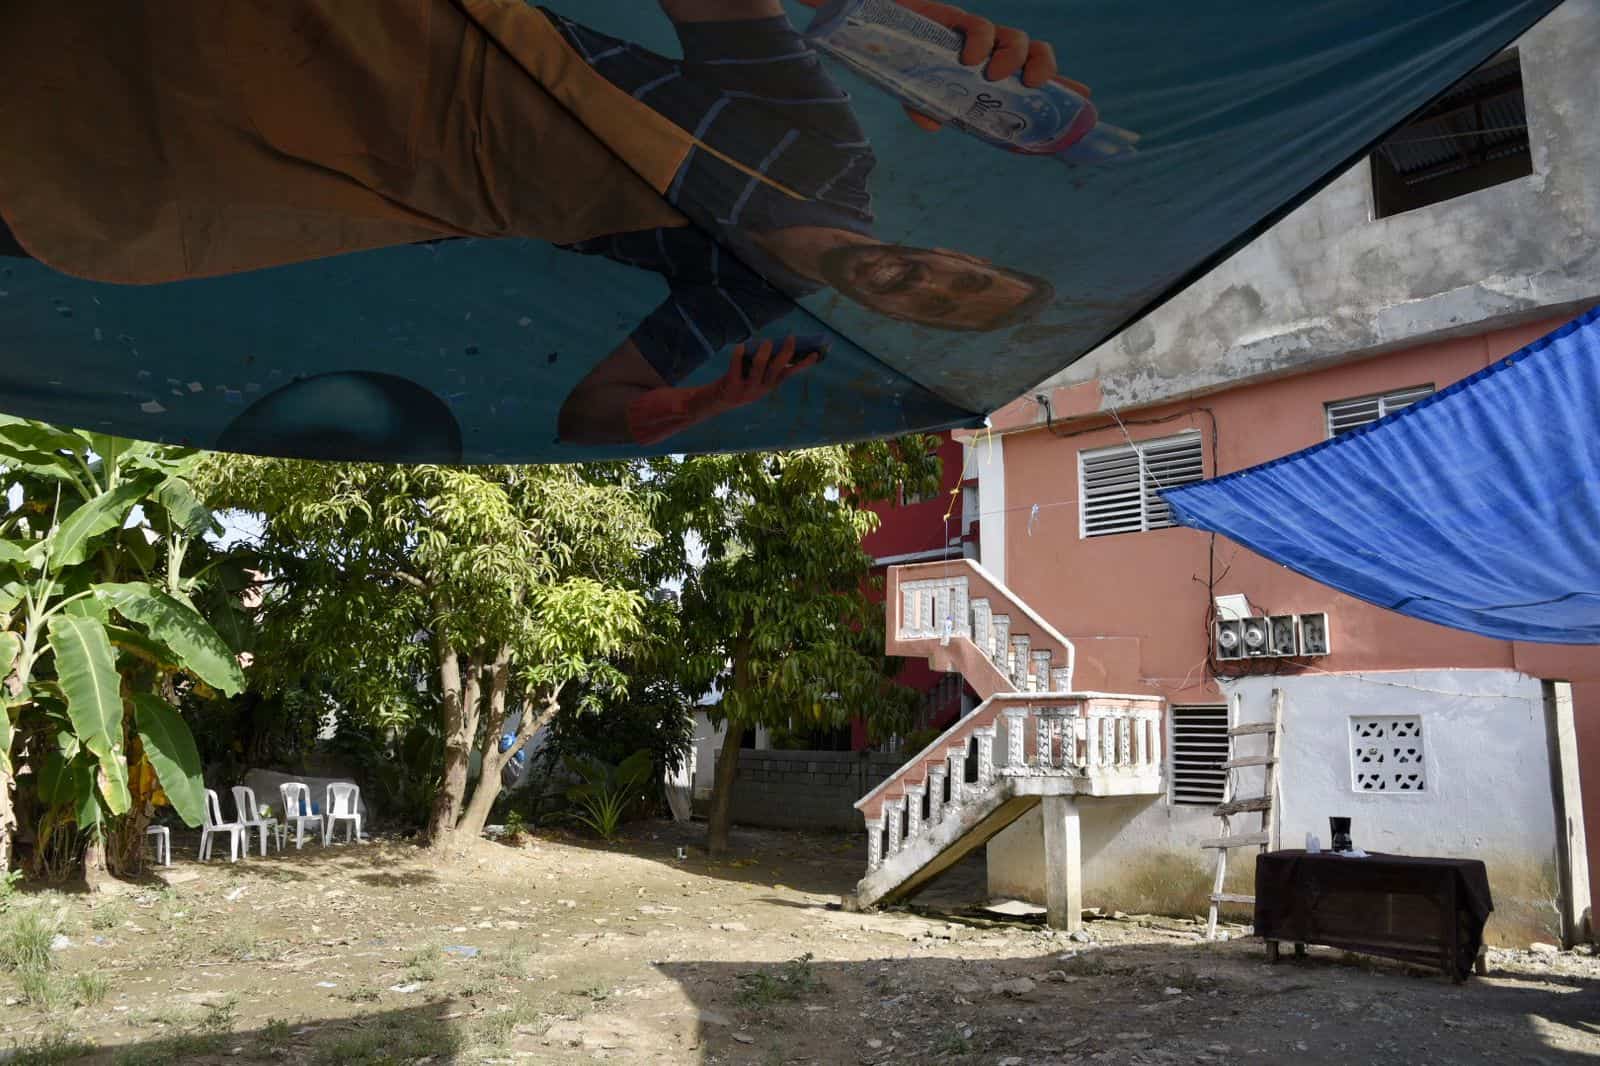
(944, 272)
(1477, 508)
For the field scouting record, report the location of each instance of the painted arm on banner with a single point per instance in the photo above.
(625, 401)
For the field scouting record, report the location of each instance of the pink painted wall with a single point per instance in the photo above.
(1150, 588)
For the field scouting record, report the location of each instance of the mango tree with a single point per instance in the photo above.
(774, 613)
(100, 635)
(495, 587)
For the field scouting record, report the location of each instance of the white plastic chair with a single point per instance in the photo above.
(297, 811)
(344, 805)
(250, 816)
(163, 837)
(214, 825)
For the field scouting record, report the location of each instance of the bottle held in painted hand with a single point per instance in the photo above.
(918, 61)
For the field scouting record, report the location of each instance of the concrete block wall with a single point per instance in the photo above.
(806, 789)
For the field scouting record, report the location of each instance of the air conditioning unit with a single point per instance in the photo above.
(1229, 640)
(1283, 635)
(1314, 636)
(1254, 634)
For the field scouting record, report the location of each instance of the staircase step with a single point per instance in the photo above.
(1244, 840)
(1244, 806)
(1251, 729)
(1249, 760)
(1231, 897)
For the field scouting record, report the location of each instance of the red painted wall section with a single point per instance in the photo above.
(917, 527)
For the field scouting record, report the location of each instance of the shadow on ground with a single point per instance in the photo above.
(1145, 1003)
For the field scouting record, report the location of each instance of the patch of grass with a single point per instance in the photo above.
(496, 1029)
(239, 945)
(40, 988)
(25, 940)
(49, 1050)
(595, 991)
(89, 988)
(221, 1015)
(361, 994)
(399, 1042)
(952, 1042)
(184, 1048)
(275, 1036)
(510, 962)
(1086, 964)
(108, 915)
(425, 964)
(795, 979)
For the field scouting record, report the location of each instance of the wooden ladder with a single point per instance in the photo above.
(1266, 838)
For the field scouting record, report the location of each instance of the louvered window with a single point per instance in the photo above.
(1119, 488)
(1345, 415)
(1199, 748)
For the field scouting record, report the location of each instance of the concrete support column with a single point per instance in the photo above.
(1063, 863)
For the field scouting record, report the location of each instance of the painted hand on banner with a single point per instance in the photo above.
(1007, 51)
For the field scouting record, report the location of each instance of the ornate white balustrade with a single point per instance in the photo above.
(1017, 745)
(960, 601)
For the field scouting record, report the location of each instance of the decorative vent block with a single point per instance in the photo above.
(1386, 754)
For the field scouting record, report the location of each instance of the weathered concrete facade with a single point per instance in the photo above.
(1332, 283)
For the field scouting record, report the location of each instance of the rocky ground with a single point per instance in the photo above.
(562, 950)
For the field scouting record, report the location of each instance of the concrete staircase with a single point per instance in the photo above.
(1032, 741)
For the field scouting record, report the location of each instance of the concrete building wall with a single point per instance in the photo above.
(1488, 791)
(1488, 795)
(806, 789)
(1331, 282)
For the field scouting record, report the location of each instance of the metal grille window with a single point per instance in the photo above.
(1199, 748)
(1386, 754)
(1345, 415)
(1119, 488)
(1472, 137)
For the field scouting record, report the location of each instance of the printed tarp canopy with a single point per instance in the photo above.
(482, 231)
(1477, 508)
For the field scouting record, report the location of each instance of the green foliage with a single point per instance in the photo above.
(406, 594)
(652, 714)
(776, 615)
(171, 750)
(794, 980)
(88, 677)
(605, 792)
(98, 611)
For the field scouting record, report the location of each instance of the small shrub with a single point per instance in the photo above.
(108, 915)
(794, 980)
(275, 1036)
(516, 827)
(606, 792)
(239, 945)
(48, 1050)
(361, 994)
(25, 941)
(89, 988)
(425, 964)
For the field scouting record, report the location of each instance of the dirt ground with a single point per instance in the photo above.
(563, 950)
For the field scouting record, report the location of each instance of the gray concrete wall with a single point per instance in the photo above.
(806, 789)
(1331, 282)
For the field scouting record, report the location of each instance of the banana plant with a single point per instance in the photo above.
(100, 619)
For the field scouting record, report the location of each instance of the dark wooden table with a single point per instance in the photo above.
(1420, 910)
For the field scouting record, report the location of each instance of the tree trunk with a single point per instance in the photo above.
(721, 815)
(95, 876)
(8, 818)
(722, 789)
(489, 788)
(490, 758)
(457, 747)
